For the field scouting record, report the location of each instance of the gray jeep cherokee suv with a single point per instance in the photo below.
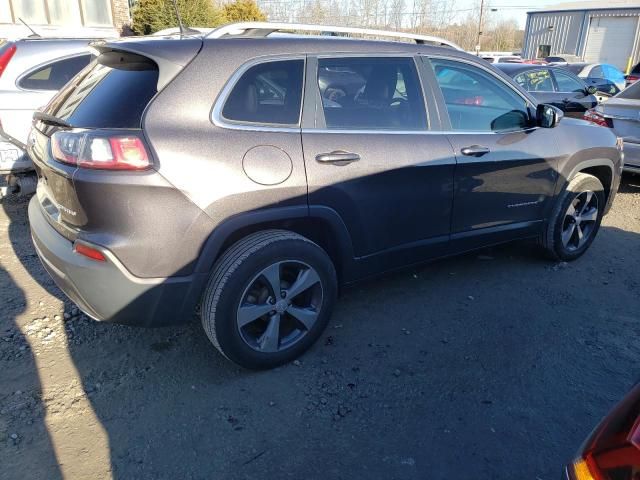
(246, 176)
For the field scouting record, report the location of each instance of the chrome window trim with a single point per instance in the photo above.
(414, 132)
(416, 66)
(530, 103)
(216, 112)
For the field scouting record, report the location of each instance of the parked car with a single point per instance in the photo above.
(502, 58)
(554, 86)
(32, 70)
(606, 78)
(171, 182)
(612, 451)
(622, 114)
(634, 75)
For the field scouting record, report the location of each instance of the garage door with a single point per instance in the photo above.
(610, 40)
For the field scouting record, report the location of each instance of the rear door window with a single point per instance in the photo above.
(268, 93)
(567, 83)
(477, 100)
(538, 80)
(371, 93)
(54, 75)
(111, 94)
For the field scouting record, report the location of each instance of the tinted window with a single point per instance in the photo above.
(538, 80)
(371, 93)
(54, 75)
(267, 93)
(478, 101)
(596, 72)
(108, 97)
(636, 69)
(567, 83)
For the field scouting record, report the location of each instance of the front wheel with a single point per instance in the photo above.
(269, 298)
(575, 220)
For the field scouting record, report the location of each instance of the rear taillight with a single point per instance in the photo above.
(596, 117)
(613, 450)
(5, 57)
(106, 152)
(632, 78)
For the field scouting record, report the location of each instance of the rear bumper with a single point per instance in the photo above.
(632, 157)
(106, 290)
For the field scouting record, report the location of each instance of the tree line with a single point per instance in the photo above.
(435, 17)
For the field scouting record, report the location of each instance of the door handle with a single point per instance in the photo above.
(337, 157)
(475, 151)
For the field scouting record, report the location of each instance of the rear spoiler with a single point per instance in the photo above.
(171, 55)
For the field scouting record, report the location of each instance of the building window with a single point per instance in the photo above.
(32, 12)
(64, 12)
(544, 51)
(89, 13)
(97, 13)
(5, 12)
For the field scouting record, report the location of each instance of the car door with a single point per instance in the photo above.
(575, 97)
(506, 166)
(372, 154)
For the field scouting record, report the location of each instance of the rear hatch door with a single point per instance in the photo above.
(112, 94)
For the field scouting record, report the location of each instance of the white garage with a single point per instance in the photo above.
(595, 31)
(610, 40)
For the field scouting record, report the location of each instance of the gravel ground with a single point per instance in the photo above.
(491, 365)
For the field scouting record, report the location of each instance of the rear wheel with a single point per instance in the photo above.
(576, 219)
(269, 298)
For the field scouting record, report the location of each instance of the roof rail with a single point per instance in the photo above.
(263, 29)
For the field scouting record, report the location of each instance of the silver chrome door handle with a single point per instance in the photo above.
(338, 157)
(475, 151)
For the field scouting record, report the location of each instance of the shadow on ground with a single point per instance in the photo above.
(491, 365)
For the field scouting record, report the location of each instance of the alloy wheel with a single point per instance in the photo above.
(580, 220)
(279, 306)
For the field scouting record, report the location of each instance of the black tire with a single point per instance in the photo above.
(234, 273)
(578, 188)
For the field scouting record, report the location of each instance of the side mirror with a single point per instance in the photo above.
(591, 90)
(548, 116)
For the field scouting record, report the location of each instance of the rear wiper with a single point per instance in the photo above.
(51, 120)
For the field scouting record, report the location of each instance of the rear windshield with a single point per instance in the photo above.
(631, 93)
(635, 70)
(105, 95)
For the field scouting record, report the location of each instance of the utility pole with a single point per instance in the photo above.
(480, 28)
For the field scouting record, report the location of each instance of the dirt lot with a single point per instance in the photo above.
(492, 365)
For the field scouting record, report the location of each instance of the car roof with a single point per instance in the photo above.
(515, 68)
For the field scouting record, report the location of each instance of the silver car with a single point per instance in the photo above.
(622, 114)
(32, 70)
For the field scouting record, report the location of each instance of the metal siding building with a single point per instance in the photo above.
(598, 32)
